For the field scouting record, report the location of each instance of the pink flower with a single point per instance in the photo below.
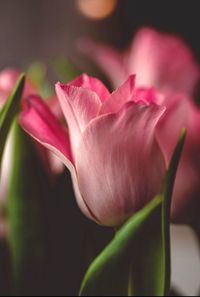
(110, 147)
(159, 60)
(180, 113)
(164, 62)
(8, 79)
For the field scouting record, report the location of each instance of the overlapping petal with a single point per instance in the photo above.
(43, 126)
(92, 84)
(126, 165)
(121, 96)
(182, 113)
(162, 61)
(79, 106)
(38, 120)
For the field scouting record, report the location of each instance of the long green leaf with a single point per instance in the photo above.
(7, 115)
(166, 209)
(109, 273)
(137, 261)
(9, 112)
(28, 197)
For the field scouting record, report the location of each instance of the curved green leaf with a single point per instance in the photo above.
(137, 261)
(109, 274)
(28, 200)
(166, 209)
(9, 112)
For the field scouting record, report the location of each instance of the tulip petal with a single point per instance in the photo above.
(120, 143)
(148, 95)
(55, 108)
(108, 59)
(182, 113)
(118, 98)
(128, 92)
(8, 79)
(38, 121)
(162, 61)
(92, 84)
(79, 106)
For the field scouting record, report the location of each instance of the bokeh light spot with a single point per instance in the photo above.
(96, 9)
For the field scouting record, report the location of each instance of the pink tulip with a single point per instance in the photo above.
(180, 113)
(8, 79)
(159, 60)
(110, 146)
(164, 62)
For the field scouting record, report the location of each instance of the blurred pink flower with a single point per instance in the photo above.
(8, 79)
(161, 61)
(164, 62)
(110, 146)
(181, 112)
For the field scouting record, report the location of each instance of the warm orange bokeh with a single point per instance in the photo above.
(96, 9)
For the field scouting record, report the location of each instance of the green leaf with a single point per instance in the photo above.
(110, 272)
(166, 209)
(9, 112)
(46, 252)
(137, 261)
(7, 115)
(28, 200)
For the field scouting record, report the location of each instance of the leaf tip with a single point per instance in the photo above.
(22, 79)
(183, 134)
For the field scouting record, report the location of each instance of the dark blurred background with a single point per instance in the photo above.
(43, 29)
(32, 30)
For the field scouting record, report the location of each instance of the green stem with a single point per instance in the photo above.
(130, 283)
